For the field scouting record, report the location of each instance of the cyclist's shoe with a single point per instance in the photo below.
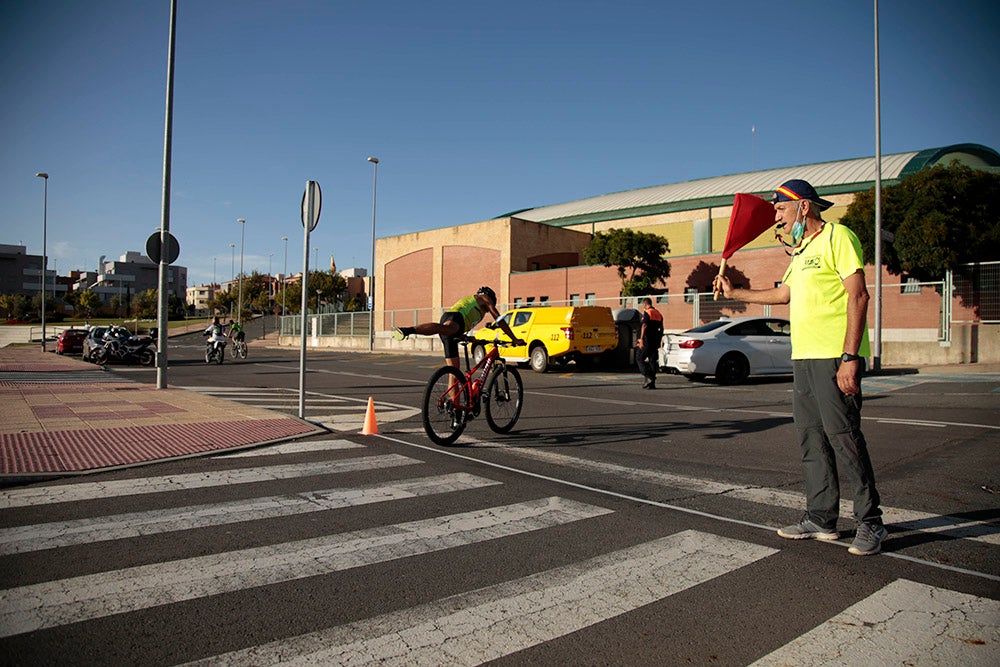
(868, 539)
(399, 334)
(807, 530)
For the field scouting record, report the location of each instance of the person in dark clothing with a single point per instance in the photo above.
(647, 355)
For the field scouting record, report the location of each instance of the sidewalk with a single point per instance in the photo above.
(62, 416)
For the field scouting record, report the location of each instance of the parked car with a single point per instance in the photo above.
(554, 334)
(94, 339)
(730, 349)
(70, 341)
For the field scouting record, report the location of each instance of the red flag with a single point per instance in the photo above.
(751, 217)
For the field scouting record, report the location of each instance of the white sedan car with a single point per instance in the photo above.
(730, 349)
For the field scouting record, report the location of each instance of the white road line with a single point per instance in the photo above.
(21, 539)
(65, 601)
(64, 493)
(905, 623)
(767, 413)
(489, 623)
(898, 519)
(292, 448)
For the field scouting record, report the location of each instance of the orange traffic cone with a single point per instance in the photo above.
(371, 426)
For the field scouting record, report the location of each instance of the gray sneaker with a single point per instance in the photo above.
(807, 530)
(868, 539)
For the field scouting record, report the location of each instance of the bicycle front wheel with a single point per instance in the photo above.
(442, 421)
(235, 350)
(503, 396)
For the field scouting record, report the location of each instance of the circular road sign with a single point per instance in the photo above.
(312, 200)
(154, 247)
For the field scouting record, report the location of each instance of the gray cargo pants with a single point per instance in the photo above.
(829, 429)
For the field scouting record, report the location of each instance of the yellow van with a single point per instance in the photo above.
(559, 334)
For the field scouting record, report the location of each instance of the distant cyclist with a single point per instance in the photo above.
(236, 332)
(460, 318)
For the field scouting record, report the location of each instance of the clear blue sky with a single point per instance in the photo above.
(474, 108)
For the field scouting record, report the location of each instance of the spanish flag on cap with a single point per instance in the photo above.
(797, 189)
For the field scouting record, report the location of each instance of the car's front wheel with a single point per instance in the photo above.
(732, 369)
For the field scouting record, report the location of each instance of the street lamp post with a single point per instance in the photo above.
(315, 259)
(284, 276)
(239, 304)
(371, 278)
(232, 273)
(270, 283)
(45, 257)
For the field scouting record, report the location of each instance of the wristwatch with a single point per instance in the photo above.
(846, 356)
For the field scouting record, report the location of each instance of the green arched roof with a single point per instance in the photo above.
(829, 178)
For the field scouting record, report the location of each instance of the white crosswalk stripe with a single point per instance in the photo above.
(130, 487)
(292, 448)
(83, 531)
(905, 623)
(49, 604)
(910, 622)
(338, 413)
(499, 620)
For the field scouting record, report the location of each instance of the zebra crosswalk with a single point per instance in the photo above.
(50, 594)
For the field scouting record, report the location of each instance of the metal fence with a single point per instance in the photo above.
(923, 308)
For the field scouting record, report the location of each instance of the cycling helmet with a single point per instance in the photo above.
(489, 294)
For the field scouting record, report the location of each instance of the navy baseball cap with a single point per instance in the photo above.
(797, 189)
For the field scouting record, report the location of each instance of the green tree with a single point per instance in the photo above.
(145, 304)
(936, 218)
(639, 257)
(88, 302)
(15, 306)
(332, 286)
(223, 301)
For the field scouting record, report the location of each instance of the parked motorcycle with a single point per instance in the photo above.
(121, 346)
(215, 350)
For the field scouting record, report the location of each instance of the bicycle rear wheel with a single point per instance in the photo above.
(243, 350)
(503, 396)
(442, 422)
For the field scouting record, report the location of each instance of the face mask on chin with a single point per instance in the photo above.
(798, 231)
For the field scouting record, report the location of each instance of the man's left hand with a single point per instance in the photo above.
(847, 377)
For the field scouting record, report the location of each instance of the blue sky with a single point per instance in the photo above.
(475, 109)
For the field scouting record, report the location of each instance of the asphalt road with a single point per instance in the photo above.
(612, 526)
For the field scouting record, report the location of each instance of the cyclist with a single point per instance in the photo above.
(236, 332)
(460, 318)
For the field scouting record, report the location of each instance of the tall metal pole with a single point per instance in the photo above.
(371, 278)
(304, 318)
(270, 282)
(877, 351)
(239, 304)
(168, 123)
(284, 276)
(45, 257)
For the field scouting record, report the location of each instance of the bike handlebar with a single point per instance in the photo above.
(499, 342)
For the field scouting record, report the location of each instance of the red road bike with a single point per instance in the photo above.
(453, 398)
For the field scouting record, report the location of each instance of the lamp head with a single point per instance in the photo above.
(241, 220)
(373, 160)
(42, 174)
